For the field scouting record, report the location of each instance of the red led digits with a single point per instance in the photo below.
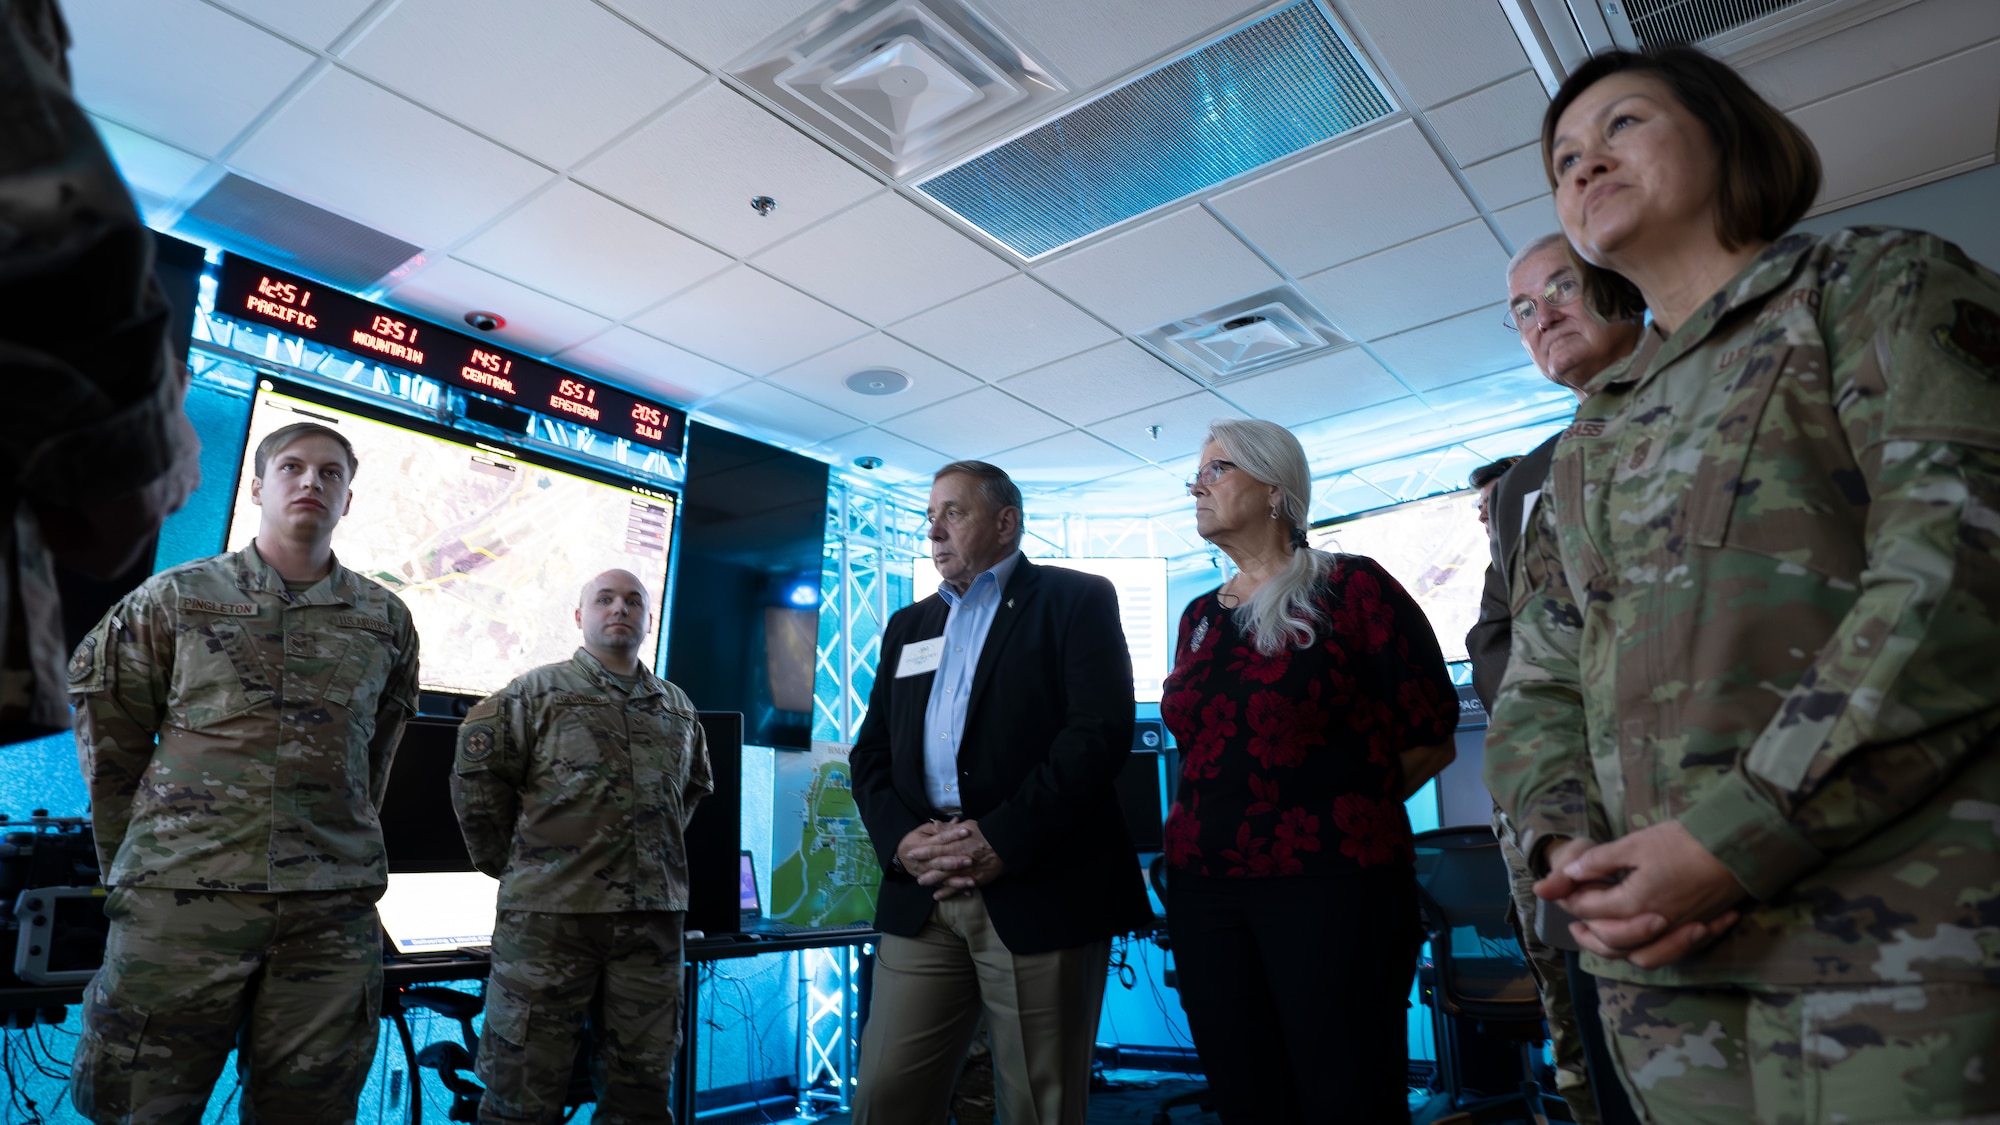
(489, 371)
(281, 301)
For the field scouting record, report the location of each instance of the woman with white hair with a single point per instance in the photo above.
(1309, 699)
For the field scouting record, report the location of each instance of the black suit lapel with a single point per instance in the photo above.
(1013, 606)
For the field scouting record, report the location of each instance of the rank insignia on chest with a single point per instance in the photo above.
(1200, 634)
(1972, 337)
(478, 744)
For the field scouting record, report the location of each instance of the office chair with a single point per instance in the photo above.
(1479, 975)
(1156, 873)
(455, 1062)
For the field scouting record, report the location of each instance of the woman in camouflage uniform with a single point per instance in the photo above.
(1748, 728)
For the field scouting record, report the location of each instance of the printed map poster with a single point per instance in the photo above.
(826, 872)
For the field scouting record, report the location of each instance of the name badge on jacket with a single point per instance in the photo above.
(920, 657)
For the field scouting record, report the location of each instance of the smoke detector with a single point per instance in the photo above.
(877, 381)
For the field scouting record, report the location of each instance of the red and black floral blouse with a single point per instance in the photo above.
(1289, 762)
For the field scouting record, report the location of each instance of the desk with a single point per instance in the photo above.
(837, 1055)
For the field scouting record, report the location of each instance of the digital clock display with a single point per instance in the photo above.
(261, 295)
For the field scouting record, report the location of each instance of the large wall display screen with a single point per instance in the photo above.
(1142, 610)
(488, 547)
(1436, 548)
(259, 294)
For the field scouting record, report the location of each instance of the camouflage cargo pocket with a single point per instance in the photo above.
(218, 672)
(110, 1033)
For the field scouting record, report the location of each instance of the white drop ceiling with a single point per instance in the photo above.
(584, 168)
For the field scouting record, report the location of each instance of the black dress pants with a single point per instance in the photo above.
(1296, 990)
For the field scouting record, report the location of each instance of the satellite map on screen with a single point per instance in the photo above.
(1436, 548)
(489, 552)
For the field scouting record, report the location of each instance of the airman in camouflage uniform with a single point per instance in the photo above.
(573, 785)
(1761, 598)
(235, 727)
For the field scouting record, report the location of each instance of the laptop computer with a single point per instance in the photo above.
(439, 912)
(750, 903)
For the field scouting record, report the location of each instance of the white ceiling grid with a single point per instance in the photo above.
(584, 168)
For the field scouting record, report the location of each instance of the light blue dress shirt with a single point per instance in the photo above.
(965, 629)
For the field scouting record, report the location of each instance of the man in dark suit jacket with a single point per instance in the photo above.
(1001, 712)
(1571, 348)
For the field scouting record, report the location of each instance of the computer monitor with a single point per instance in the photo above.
(1435, 548)
(749, 900)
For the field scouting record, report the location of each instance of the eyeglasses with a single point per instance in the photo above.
(1210, 473)
(1561, 290)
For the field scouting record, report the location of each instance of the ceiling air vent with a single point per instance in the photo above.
(1559, 34)
(1274, 328)
(1260, 93)
(901, 83)
(272, 227)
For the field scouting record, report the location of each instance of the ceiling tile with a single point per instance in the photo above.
(976, 424)
(1897, 40)
(1095, 42)
(150, 167)
(1427, 279)
(749, 321)
(1425, 474)
(1144, 490)
(1065, 459)
(822, 378)
(1351, 200)
(714, 34)
(180, 70)
(1348, 379)
(1167, 269)
(555, 79)
(1516, 442)
(1452, 351)
(1114, 379)
(538, 324)
(1511, 177)
(699, 164)
(432, 186)
(1346, 440)
(902, 461)
(1004, 329)
(1503, 392)
(575, 244)
(1183, 423)
(1438, 48)
(1492, 121)
(316, 24)
(1525, 222)
(883, 260)
(1919, 121)
(762, 409)
(651, 366)
(1340, 496)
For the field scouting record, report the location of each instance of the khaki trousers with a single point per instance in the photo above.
(930, 990)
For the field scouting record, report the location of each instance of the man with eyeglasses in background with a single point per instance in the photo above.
(1571, 348)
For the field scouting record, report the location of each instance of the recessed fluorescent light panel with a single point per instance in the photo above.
(1281, 84)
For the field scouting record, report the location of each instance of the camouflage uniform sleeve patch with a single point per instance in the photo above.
(86, 672)
(1972, 338)
(477, 744)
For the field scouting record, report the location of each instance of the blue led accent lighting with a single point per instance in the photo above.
(1276, 86)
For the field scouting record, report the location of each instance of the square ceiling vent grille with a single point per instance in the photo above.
(901, 84)
(1276, 86)
(1275, 328)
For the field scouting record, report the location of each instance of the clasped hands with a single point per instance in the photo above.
(950, 857)
(1651, 898)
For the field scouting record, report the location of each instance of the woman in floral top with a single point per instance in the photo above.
(1309, 699)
